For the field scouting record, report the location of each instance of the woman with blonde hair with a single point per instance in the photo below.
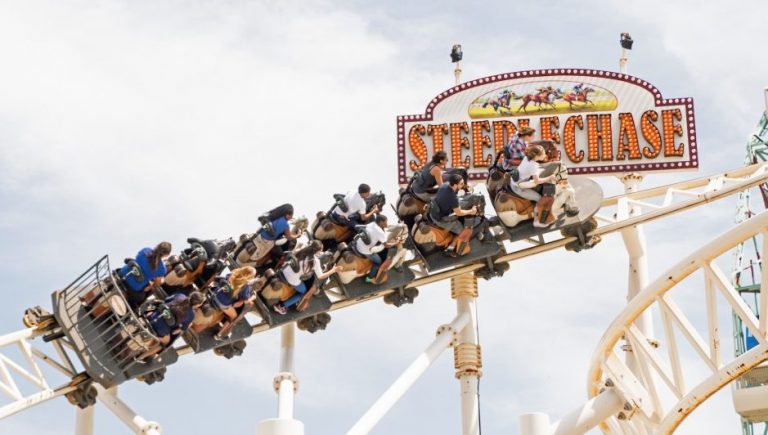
(231, 294)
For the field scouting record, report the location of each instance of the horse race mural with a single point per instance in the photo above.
(601, 122)
(539, 97)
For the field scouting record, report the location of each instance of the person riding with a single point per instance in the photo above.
(299, 272)
(578, 88)
(174, 316)
(354, 202)
(370, 249)
(544, 190)
(445, 211)
(234, 292)
(514, 149)
(277, 226)
(144, 273)
(431, 177)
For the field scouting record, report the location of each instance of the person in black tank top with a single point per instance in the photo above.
(431, 176)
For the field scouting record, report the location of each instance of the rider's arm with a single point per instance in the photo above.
(539, 180)
(458, 211)
(437, 172)
(367, 216)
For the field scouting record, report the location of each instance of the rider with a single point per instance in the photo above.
(431, 177)
(377, 237)
(299, 271)
(144, 273)
(276, 226)
(445, 211)
(515, 148)
(544, 189)
(355, 208)
(577, 89)
(232, 293)
(173, 316)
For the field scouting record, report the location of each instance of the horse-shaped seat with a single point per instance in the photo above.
(430, 237)
(354, 264)
(254, 250)
(330, 232)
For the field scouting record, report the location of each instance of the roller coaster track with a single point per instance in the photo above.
(615, 215)
(644, 404)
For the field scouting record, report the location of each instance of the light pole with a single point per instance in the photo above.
(456, 56)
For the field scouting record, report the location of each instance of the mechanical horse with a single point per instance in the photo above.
(330, 232)
(513, 209)
(278, 290)
(409, 205)
(199, 265)
(253, 250)
(355, 265)
(429, 237)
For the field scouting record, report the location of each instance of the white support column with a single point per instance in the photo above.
(584, 418)
(447, 335)
(534, 423)
(128, 416)
(285, 384)
(634, 240)
(84, 421)
(467, 357)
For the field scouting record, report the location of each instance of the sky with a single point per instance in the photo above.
(123, 123)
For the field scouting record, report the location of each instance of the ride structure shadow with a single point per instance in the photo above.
(589, 197)
(360, 290)
(203, 341)
(479, 250)
(319, 303)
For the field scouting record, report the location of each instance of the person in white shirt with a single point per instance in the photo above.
(355, 213)
(530, 169)
(306, 267)
(376, 248)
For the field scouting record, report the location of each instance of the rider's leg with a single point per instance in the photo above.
(293, 300)
(376, 260)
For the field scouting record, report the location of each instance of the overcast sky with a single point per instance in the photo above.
(123, 123)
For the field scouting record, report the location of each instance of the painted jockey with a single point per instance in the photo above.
(578, 88)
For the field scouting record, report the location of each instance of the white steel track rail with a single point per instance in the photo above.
(646, 409)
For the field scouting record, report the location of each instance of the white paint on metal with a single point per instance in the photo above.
(410, 375)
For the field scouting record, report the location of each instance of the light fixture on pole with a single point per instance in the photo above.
(626, 44)
(456, 56)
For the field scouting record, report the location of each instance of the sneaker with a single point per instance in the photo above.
(537, 224)
(280, 308)
(370, 280)
(218, 337)
(450, 253)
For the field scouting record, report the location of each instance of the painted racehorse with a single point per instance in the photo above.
(354, 265)
(330, 232)
(253, 250)
(582, 97)
(429, 237)
(543, 96)
(502, 101)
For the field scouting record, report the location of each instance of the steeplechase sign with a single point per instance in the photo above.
(602, 122)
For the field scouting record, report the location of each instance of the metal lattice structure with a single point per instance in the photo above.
(746, 278)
